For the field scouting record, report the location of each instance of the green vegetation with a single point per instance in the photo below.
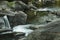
(11, 4)
(57, 3)
(42, 13)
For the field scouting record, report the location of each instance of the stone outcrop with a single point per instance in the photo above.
(18, 19)
(52, 32)
(15, 18)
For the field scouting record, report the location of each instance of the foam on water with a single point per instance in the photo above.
(22, 28)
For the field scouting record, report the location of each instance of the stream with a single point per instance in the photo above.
(42, 20)
(22, 28)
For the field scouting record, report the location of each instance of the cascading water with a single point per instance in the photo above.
(6, 22)
(22, 28)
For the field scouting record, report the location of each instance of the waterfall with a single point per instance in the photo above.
(6, 22)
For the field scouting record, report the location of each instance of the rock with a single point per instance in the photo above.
(40, 17)
(15, 18)
(2, 25)
(19, 34)
(7, 12)
(20, 6)
(7, 5)
(18, 19)
(34, 27)
(3, 4)
(22, 38)
(37, 35)
(52, 32)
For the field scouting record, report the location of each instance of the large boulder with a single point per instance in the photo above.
(15, 18)
(52, 32)
(18, 19)
(37, 35)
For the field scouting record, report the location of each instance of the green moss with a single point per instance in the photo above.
(42, 13)
(31, 15)
(10, 4)
(39, 4)
(57, 3)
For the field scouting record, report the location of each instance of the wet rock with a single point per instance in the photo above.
(18, 19)
(52, 32)
(32, 28)
(37, 35)
(35, 27)
(40, 17)
(22, 38)
(15, 18)
(19, 34)
(7, 12)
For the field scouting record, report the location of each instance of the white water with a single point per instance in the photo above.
(25, 28)
(22, 28)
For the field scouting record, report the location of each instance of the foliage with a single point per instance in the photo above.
(42, 13)
(10, 4)
(57, 3)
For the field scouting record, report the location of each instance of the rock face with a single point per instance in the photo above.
(52, 33)
(18, 19)
(8, 8)
(37, 35)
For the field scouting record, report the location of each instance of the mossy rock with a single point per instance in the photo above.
(35, 17)
(38, 5)
(31, 15)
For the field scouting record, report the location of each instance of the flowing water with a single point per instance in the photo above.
(42, 20)
(22, 28)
